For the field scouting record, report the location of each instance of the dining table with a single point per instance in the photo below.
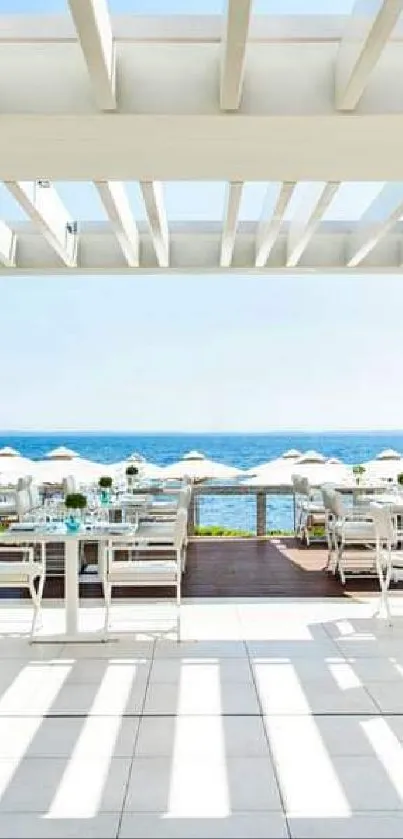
(31, 534)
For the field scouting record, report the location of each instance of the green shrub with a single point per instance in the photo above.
(132, 470)
(75, 501)
(105, 482)
(217, 530)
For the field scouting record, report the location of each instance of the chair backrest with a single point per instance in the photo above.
(301, 485)
(336, 504)
(24, 483)
(184, 497)
(22, 502)
(328, 498)
(384, 523)
(69, 485)
(180, 529)
(34, 497)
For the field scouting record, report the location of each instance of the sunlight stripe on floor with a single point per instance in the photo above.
(79, 793)
(308, 780)
(388, 750)
(199, 788)
(20, 694)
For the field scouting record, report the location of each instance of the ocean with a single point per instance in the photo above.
(241, 450)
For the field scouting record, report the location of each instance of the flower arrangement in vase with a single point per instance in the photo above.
(358, 471)
(132, 473)
(74, 501)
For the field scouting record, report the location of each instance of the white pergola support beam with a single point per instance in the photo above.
(237, 21)
(275, 205)
(44, 207)
(230, 222)
(153, 197)
(114, 198)
(8, 241)
(305, 222)
(382, 215)
(369, 28)
(94, 32)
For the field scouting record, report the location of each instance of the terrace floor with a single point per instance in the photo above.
(271, 718)
(240, 568)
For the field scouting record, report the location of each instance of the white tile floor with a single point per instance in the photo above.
(270, 719)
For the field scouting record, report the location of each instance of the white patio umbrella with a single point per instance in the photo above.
(286, 458)
(13, 465)
(61, 453)
(387, 465)
(311, 465)
(197, 467)
(146, 469)
(62, 462)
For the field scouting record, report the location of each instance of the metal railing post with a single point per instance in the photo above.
(260, 514)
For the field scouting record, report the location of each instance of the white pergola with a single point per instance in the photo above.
(88, 96)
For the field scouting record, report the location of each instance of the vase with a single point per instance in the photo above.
(104, 496)
(73, 523)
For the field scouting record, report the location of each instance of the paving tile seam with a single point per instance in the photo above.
(267, 739)
(170, 715)
(139, 717)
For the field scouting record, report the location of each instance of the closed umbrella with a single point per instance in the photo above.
(197, 467)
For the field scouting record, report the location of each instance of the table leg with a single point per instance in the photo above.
(72, 633)
(71, 592)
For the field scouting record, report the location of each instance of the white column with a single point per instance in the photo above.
(380, 217)
(8, 241)
(94, 31)
(315, 200)
(230, 222)
(277, 199)
(369, 27)
(114, 198)
(234, 43)
(154, 203)
(44, 207)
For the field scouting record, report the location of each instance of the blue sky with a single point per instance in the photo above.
(199, 353)
(163, 7)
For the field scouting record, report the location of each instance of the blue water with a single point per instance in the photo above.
(241, 450)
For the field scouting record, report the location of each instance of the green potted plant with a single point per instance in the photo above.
(105, 484)
(74, 502)
(358, 471)
(131, 475)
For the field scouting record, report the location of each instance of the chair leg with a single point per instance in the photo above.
(36, 601)
(178, 609)
(108, 599)
(339, 563)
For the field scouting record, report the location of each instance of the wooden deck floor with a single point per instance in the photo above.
(241, 568)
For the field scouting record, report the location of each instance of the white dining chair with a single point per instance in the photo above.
(355, 529)
(23, 503)
(22, 572)
(389, 560)
(308, 506)
(158, 566)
